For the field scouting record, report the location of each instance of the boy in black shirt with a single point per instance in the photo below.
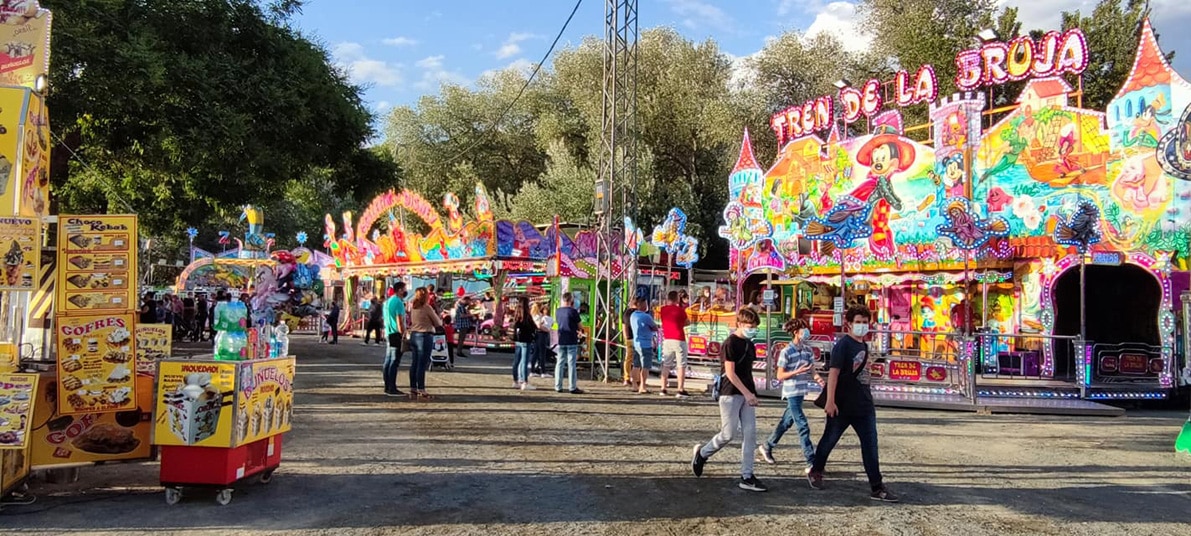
(738, 400)
(850, 403)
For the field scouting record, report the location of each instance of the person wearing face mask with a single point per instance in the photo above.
(796, 370)
(395, 329)
(849, 403)
(738, 401)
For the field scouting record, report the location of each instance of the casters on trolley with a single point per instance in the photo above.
(173, 495)
(224, 496)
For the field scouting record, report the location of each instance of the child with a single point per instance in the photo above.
(448, 327)
(326, 329)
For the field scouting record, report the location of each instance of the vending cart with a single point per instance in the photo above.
(220, 423)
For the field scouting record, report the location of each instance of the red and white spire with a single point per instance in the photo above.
(746, 161)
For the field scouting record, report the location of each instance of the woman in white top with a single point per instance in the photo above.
(542, 343)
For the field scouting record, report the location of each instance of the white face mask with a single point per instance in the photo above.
(859, 330)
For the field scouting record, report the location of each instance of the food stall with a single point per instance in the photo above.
(1033, 251)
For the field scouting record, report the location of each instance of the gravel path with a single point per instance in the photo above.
(484, 459)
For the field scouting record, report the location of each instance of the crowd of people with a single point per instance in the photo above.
(844, 393)
(189, 314)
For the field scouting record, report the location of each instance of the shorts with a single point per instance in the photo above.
(673, 352)
(643, 356)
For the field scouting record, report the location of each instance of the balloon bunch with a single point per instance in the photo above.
(290, 288)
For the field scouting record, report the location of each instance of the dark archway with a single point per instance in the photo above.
(1122, 306)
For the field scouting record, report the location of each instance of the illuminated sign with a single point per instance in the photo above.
(997, 63)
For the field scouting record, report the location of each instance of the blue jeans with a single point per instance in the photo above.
(392, 363)
(865, 426)
(794, 417)
(570, 354)
(644, 356)
(420, 344)
(521, 356)
(540, 347)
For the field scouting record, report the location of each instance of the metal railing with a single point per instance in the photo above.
(1030, 356)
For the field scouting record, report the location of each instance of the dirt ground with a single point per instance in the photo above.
(484, 459)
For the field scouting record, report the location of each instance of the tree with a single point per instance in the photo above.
(447, 142)
(1112, 33)
(566, 189)
(184, 110)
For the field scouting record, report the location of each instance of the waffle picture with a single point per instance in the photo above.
(80, 241)
(80, 262)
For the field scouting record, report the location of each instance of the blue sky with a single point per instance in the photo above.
(401, 50)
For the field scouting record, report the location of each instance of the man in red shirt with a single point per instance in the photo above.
(674, 322)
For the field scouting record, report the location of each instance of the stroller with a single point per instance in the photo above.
(440, 354)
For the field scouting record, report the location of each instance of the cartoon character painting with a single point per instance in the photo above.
(885, 154)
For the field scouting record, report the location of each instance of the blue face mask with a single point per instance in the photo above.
(750, 332)
(806, 333)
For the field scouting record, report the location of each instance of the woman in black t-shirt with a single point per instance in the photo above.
(737, 399)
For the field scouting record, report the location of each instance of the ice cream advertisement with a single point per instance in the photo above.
(266, 399)
(97, 264)
(194, 403)
(20, 256)
(25, 34)
(12, 104)
(16, 409)
(96, 363)
(153, 343)
(34, 173)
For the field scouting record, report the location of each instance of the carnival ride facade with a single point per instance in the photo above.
(1042, 256)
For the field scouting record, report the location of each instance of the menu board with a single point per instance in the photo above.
(96, 264)
(89, 437)
(153, 343)
(265, 404)
(20, 255)
(96, 363)
(193, 405)
(16, 408)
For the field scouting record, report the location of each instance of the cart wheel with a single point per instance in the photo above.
(267, 476)
(172, 496)
(224, 497)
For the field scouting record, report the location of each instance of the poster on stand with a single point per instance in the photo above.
(16, 408)
(12, 102)
(20, 244)
(96, 263)
(194, 403)
(153, 343)
(25, 30)
(93, 437)
(34, 174)
(96, 365)
(266, 399)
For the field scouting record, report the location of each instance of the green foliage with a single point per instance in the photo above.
(184, 110)
(1112, 33)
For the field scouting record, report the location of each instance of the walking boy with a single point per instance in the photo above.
(850, 404)
(795, 369)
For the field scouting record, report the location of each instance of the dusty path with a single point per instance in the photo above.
(485, 459)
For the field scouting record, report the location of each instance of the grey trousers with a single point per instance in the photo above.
(735, 414)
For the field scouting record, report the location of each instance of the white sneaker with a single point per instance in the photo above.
(516, 385)
(527, 387)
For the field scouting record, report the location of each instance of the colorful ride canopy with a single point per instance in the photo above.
(1047, 179)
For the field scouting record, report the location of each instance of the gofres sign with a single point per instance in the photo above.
(991, 64)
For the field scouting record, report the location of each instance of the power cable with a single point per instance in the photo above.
(525, 86)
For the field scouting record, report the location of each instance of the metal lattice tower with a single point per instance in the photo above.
(616, 184)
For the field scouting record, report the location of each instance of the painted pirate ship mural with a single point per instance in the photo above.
(1001, 214)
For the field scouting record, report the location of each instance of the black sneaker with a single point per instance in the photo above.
(815, 480)
(766, 453)
(752, 484)
(394, 393)
(559, 390)
(883, 495)
(576, 391)
(697, 461)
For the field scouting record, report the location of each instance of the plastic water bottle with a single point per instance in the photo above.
(231, 346)
(281, 336)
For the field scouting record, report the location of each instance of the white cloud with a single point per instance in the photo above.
(511, 46)
(698, 13)
(521, 65)
(741, 74)
(351, 58)
(841, 20)
(434, 73)
(400, 41)
(383, 105)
